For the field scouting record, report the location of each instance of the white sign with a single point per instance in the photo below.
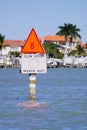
(33, 63)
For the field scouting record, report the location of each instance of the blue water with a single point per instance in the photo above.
(64, 90)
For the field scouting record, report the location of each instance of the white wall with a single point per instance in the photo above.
(7, 49)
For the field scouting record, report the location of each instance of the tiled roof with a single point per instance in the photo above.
(57, 38)
(54, 38)
(14, 42)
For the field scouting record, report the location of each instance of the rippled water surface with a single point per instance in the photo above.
(63, 90)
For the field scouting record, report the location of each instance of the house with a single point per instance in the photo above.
(11, 45)
(61, 42)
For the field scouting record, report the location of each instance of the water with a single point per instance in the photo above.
(64, 90)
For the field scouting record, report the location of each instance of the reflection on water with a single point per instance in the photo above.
(64, 90)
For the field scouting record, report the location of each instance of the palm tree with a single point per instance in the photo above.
(69, 30)
(78, 52)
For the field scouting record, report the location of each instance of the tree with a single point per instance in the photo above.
(14, 54)
(51, 50)
(1, 41)
(78, 52)
(69, 30)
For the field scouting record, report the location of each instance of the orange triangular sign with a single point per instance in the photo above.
(32, 44)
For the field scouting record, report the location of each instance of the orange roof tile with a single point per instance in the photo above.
(14, 42)
(54, 38)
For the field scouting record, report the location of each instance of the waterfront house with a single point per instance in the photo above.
(9, 46)
(12, 45)
(61, 43)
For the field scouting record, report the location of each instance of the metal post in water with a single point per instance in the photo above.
(32, 87)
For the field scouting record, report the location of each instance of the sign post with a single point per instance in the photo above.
(33, 61)
(32, 87)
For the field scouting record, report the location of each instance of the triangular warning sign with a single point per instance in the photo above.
(32, 44)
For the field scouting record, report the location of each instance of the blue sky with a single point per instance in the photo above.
(18, 17)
